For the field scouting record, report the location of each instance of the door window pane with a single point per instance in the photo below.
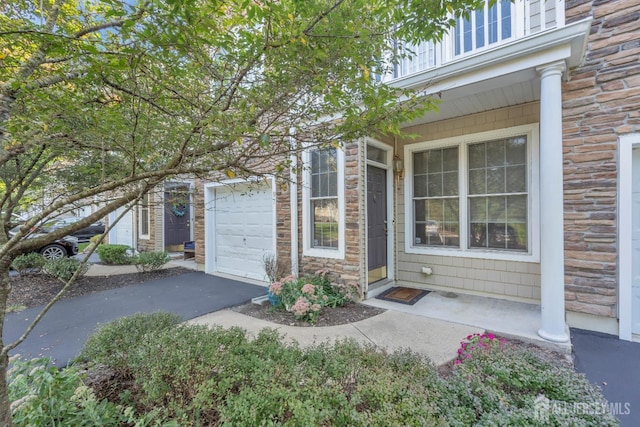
(376, 154)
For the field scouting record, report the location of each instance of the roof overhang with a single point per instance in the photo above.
(501, 77)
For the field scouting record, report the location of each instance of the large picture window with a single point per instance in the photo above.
(324, 199)
(473, 195)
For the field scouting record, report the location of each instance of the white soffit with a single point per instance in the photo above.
(498, 78)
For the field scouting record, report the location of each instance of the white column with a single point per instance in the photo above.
(551, 205)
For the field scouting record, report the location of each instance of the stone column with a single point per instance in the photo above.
(551, 205)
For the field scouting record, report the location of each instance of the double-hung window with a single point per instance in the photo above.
(488, 25)
(475, 196)
(323, 208)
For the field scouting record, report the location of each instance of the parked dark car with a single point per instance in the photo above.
(67, 246)
(84, 234)
(60, 248)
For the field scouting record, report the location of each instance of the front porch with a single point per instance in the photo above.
(509, 319)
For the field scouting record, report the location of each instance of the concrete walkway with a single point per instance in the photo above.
(391, 330)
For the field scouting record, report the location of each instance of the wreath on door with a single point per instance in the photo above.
(179, 210)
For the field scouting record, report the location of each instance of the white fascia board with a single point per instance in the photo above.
(567, 43)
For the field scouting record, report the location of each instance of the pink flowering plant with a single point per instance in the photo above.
(306, 296)
(476, 343)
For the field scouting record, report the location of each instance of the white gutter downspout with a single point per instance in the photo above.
(293, 204)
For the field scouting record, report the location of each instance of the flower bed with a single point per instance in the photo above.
(305, 297)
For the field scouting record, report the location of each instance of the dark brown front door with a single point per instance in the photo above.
(177, 217)
(376, 223)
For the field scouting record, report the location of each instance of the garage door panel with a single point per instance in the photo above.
(243, 230)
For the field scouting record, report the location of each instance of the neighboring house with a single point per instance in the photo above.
(161, 221)
(524, 186)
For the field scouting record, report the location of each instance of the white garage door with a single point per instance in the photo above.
(244, 229)
(635, 222)
(122, 233)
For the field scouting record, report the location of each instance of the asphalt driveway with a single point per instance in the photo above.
(64, 329)
(614, 366)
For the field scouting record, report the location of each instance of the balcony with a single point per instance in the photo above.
(501, 23)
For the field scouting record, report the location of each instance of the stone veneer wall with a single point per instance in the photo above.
(198, 220)
(600, 102)
(347, 269)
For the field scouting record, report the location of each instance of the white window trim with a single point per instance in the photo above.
(307, 249)
(533, 152)
(146, 236)
(626, 145)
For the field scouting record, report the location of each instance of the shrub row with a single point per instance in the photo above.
(123, 255)
(63, 268)
(190, 375)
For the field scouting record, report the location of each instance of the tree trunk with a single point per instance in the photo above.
(6, 103)
(5, 403)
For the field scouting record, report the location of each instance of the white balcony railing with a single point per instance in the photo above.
(485, 29)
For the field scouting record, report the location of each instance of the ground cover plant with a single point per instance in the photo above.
(190, 375)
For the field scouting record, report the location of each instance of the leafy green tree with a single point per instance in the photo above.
(104, 99)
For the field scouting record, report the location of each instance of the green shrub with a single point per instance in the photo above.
(25, 263)
(113, 343)
(115, 254)
(207, 377)
(151, 261)
(306, 296)
(42, 395)
(506, 385)
(64, 268)
(192, 376)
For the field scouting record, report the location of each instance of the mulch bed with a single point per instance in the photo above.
(328, 317)
(38, 289)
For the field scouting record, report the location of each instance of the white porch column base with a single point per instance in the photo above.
(551, 205)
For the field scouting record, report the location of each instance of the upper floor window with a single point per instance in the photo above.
(485, 26)
(414, 58)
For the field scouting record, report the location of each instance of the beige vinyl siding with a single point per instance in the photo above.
(540, 8)
(501, 279)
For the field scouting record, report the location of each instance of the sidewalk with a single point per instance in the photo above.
(391, 330)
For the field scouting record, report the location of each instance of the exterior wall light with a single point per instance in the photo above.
(398, 166)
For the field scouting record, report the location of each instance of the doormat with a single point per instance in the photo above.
(403, 295)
